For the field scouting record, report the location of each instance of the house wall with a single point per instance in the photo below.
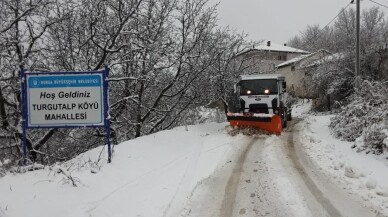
(298, 77)
(264, 61)
(295, 81)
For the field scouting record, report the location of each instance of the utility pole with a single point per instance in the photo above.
(358, 39)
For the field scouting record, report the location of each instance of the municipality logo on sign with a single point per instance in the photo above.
(35, 82)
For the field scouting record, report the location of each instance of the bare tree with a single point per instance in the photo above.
(165, 57)
(21, 37)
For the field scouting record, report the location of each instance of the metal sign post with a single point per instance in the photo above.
(24, 117)
(107, 117)
(65, 100)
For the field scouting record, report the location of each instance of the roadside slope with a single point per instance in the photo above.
(149, 176)
(361, 177)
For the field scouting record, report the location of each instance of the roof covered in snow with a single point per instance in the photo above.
(328, 58)
(292, 61)
(273, 47)
(300, 58)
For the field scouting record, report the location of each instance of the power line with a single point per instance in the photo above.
(319, 35)
(343, 9)
(379, 4)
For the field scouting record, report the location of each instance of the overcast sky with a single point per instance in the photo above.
(279, 20)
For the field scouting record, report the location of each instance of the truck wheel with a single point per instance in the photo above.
(289, 118)
(285, 117)
(288, 115)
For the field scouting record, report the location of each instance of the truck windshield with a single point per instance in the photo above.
(258, 87)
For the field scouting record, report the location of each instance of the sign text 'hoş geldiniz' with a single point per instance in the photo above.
(65, 100)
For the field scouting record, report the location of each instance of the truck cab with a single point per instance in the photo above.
(263, 94)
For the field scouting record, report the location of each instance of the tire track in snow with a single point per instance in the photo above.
(332, 197)
(310, 184)
(233, 182)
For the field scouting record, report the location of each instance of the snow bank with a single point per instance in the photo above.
(356, 172)
(302, 108)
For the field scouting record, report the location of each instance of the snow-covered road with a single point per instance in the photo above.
(268, 179)
(195, 171)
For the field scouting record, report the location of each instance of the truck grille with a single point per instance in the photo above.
(258, 108)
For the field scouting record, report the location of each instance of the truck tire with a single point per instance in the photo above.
(288, 115)
(289, 118)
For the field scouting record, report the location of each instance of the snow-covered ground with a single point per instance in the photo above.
(203, 171)
(149, 176)
(360, 174)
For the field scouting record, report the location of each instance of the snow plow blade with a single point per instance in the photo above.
(268, 122)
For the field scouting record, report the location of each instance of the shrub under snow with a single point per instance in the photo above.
(364, 119)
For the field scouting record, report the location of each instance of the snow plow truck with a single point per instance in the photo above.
(259, 102)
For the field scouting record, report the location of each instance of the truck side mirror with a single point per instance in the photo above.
(284, 85)
(235, 88)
